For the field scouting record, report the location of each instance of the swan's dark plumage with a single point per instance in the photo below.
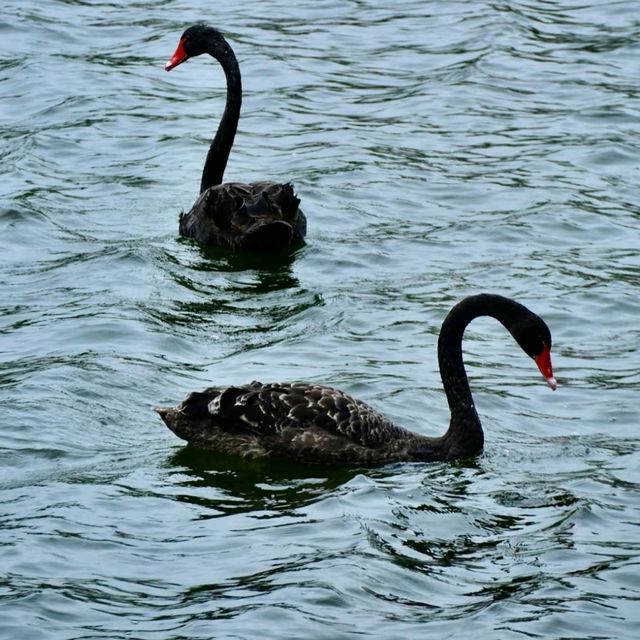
(263, 216)
(307, 422)
(259, 216)
(315, 423)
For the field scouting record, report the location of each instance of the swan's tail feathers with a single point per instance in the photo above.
(168, 416)
(290, 201)
(162, 411)
(184, 423)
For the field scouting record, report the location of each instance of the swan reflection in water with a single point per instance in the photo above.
(236, 485)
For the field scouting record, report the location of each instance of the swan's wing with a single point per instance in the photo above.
(271, 409)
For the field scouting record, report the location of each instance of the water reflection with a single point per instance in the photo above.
(234, 485)
(216, 292)
(272, 271)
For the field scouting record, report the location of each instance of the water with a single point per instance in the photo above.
(440, 149)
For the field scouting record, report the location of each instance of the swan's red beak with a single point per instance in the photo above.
(178, 57)
(543, 360)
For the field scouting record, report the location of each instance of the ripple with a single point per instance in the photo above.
(437, 152)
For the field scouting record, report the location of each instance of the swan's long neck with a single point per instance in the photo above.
(465, 434)
(220, 148)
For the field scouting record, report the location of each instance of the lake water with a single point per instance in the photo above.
(440, 149)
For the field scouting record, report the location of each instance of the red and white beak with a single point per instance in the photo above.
(543, 360)
(179, 56)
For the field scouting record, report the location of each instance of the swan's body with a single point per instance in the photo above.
(263, 216)
(315, 423)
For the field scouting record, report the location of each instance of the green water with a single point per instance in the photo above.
(440, 149)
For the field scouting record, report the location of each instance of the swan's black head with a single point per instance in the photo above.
(196, 40)
(529, 330)
(532, 334)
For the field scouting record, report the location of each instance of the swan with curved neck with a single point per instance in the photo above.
(262, 216)
(318, 424)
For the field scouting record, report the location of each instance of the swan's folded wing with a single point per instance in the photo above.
(271, 409)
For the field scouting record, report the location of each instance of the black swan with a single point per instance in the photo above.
(313, 423)
(263, 216)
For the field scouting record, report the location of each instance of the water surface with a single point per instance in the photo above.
(440, 149)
